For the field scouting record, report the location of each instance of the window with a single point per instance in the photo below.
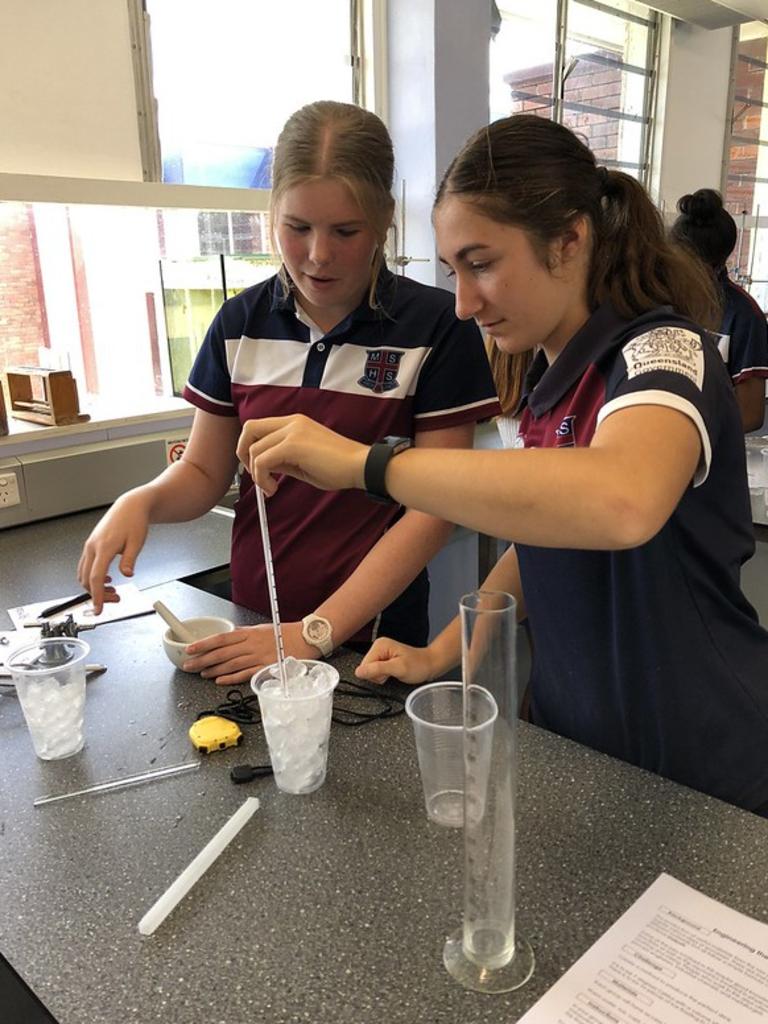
(746, 189)
(227, 75)
(121, 295)
(595, 74)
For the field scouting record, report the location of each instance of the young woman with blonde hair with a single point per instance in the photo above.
(338, 337)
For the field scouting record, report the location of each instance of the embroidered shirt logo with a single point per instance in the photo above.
(381, 368)
(666, 349)
(565, 435)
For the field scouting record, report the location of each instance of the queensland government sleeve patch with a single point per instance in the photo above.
(666, 349)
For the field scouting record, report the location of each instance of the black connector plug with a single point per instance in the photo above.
(248, 772)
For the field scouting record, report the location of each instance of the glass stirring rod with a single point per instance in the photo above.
(269, 565)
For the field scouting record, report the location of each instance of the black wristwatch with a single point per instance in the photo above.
(376, 466)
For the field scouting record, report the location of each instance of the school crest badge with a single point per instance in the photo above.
(565, 436)
(381, 369)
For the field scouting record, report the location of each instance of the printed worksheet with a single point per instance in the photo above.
(675, 957)
(132, 603)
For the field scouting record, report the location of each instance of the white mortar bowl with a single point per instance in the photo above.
(206, 625)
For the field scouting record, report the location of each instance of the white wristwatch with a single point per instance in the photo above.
(318, 632)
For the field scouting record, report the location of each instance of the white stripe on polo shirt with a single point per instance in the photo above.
(346, 368)
(214, 401)
(257, 362)
(454, 408)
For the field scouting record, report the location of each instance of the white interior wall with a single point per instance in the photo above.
(437, 96)
(67, 96)
(692, 111)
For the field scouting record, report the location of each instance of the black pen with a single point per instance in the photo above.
(63, 605)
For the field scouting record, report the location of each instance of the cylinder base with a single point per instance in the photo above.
(480, 979)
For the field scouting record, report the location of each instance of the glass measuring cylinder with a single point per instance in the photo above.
(486, 954)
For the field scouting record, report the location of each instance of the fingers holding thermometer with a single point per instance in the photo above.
(299, 447)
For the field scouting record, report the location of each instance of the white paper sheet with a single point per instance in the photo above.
(675, 957)
(132, 602)
(16, 638)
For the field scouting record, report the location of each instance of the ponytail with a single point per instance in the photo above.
(635, 267)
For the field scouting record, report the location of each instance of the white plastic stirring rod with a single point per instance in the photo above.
(271, 587)
(197, 868)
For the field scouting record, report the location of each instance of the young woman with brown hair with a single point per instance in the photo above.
(337, 336)
(628, 508)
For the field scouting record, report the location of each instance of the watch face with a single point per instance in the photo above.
(318, 630)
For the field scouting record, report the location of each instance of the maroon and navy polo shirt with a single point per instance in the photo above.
(743, 339)
(402, 368)
(653, 654)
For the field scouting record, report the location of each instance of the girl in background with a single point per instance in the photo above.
(706, 227)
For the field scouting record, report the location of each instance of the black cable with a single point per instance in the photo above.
(243, 708)
(351, 716)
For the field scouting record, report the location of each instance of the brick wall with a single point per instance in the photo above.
(590, 84)
(23, 323)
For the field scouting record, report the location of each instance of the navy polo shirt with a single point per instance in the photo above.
(743, 333)
(653, 654)
(404, 367)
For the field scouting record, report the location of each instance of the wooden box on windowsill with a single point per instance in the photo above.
(44, 396)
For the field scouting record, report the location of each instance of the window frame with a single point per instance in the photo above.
(561, 70)
(367, 64)
(753, 222)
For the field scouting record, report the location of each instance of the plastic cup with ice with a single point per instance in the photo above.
(49, 676)
(297, 722)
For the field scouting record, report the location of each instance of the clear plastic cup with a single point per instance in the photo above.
(436, 711)
(437, 716)
(297, 725)
(49, 676)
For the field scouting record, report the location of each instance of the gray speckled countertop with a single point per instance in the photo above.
(331, 907)
(39, 560)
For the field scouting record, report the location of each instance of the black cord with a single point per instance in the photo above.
(238, 707)
(243, 708)
(391, 705)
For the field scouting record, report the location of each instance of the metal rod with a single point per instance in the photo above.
(753, 240)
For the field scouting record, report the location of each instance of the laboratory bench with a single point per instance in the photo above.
(328, 907)
(39, 560)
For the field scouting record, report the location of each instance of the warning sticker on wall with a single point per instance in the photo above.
(175, 449)
(673, 349)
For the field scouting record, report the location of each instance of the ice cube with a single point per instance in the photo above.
(294, 669)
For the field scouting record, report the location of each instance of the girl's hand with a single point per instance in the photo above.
(232, 658)
(122, 531)
(299, 447)
(389, 658)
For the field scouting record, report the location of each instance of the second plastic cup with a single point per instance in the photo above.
(436, 713)
(297, 725)
(50, 683)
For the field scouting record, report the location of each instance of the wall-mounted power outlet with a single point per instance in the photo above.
(9, 489)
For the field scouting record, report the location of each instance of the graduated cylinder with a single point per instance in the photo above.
(486, 954)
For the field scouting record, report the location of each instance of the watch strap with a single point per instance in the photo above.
(375, 469)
